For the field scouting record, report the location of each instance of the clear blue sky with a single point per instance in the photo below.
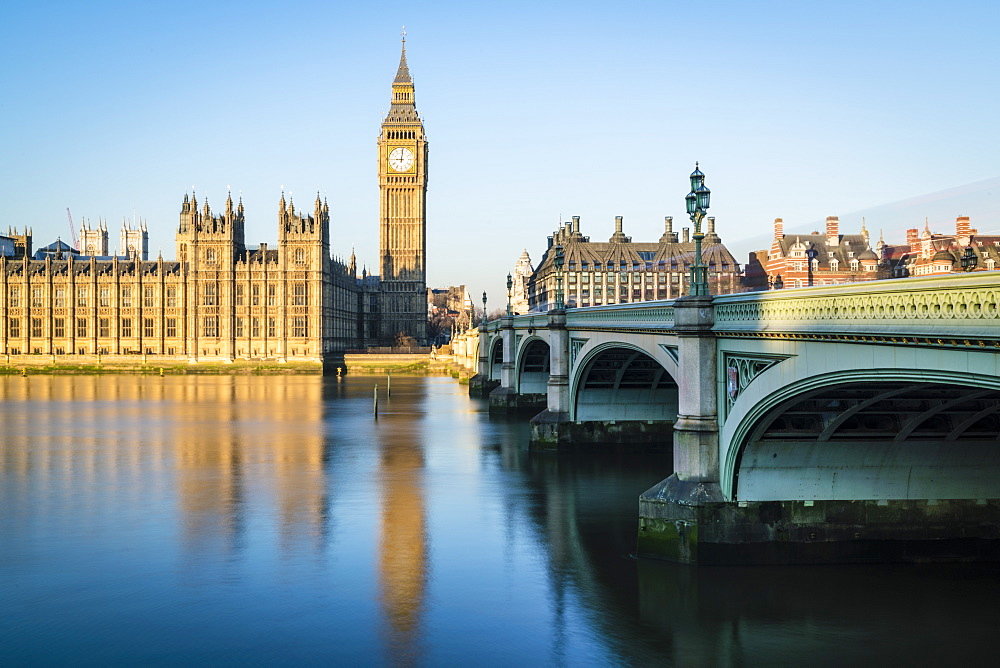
(533, 110)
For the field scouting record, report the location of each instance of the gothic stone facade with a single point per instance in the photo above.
(219, 301)
(222, 300)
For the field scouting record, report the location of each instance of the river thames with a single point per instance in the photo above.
(274, 520)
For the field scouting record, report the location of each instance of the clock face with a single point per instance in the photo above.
(401, 159)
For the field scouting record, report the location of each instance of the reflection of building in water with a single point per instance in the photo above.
(221, 444)
(245, 441)
(402, 564)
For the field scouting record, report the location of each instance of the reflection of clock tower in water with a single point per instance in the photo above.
(402, 175)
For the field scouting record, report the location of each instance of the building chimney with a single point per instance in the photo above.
(711, 225)
(576, 224)
(832, 231)
(964, 231)
(912, 237)
(618, 236)
(685, 235)
(669, 236)
(779, 228)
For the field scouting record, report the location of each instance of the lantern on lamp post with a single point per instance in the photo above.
(811, 257)
(510, 284)
(969, 259)
(697, 202)
(560, 259)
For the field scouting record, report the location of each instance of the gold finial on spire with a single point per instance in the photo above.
(404, 34)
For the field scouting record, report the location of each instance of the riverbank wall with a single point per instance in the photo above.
(338, 364)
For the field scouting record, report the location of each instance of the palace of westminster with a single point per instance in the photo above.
(223, 300)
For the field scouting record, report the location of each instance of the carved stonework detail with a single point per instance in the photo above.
(575, 346)
(743, 369)
(672, 351)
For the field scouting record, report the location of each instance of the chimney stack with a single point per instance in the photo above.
(964, 230)
(669, 236)
(576, 224)
(685, 234)
(618, 236)
(912, 237)
(779, 228)
(711, 225)
(832, 231)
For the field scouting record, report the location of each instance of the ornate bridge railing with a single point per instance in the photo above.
(950, 310)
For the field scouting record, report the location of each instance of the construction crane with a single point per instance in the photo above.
(72, 228)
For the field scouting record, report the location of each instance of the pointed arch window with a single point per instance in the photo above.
(211, 294)
(299, 295)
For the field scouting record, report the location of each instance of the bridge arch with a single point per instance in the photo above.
(620, 381)
(875, 434)
(533, 364)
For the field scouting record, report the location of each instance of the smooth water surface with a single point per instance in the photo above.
(274, 520)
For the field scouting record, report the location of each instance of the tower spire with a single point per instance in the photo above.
(403, 73)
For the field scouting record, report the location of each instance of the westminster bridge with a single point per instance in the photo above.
(856, 422)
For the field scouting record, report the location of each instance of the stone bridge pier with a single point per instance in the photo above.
(504, 399)
(483, 382)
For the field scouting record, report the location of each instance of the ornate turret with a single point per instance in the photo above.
(221, 234)
(94, 240)
(403, 108)
(304, 239)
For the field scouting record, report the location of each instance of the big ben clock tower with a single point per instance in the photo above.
(402, 177)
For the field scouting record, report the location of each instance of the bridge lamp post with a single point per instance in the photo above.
(969, 259)
(484, 308)
(697, 206)
(810, 256)
(559, 261)
(510, 284)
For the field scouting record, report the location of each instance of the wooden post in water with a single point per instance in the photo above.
(388, 384)
(375, 403)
